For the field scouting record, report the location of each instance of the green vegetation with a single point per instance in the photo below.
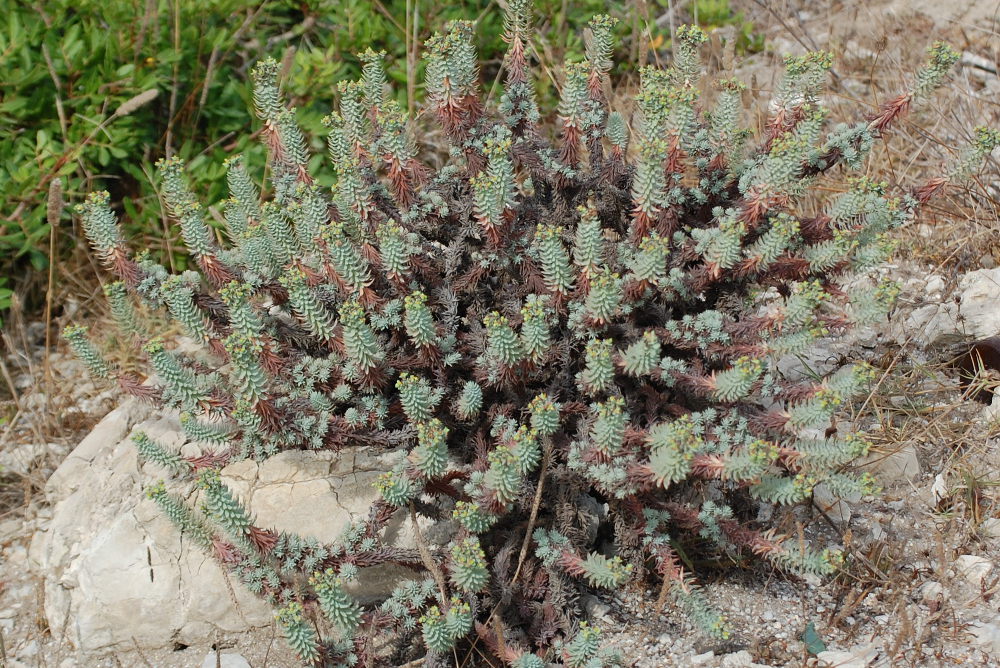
(77, 98)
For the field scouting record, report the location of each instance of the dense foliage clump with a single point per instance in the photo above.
(537, 321)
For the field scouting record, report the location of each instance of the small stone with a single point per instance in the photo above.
(856, 657)
(986, 636)
(834, 507)
(980, 302)
(594, 607)
(990, 528)
(939, 490)
(702, 659)
(665, 640)
(29, 650)
(878, 533)
(934, 286)
(931, 592)
(901, 465)
(973, 568)
(741, 659)
(224, 661)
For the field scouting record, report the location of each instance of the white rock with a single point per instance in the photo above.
(901, 465)
(986, 636)
(991, 413)
(224, 661)
(595, 608)
(117, 573)
(10, 528)
(856, 657)
(835, 508)
(702, 659)
(741, 659)
(973, 568)
(819, 359)
(934, 286)
(29, 650)
(928, 325)
(990, 528)
(931, 592)
(939, 489)
(980, 302)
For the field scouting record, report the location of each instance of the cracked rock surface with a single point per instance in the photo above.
(118, 574)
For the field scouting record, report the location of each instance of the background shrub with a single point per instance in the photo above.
(70, 66)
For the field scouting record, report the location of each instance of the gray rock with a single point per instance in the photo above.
(224, 661)
(901, 465)
(836, 509)
(980, 302)
(932, 593)
(990, 528)
(594, 607)
(973, 568)
(819, 360)
(856, 657)
(702, 659)
(117, 573)
(987, 636)
(929, 325)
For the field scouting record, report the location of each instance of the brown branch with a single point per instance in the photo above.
(425, 556)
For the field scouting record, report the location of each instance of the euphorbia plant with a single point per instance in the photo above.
(599, 314)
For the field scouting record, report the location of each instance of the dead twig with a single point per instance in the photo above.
(425, 556)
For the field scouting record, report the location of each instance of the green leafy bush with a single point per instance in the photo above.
(601, 314)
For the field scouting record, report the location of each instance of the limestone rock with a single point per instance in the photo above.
(973, 568)
(901, 465)
(990, 528)
(986, 636)
(929, 325)
(117, 573)
(856, 657)
(980, 302)
(932, 592)
(836, 508)
(702, 659)
(741, 659)
(224, 660)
